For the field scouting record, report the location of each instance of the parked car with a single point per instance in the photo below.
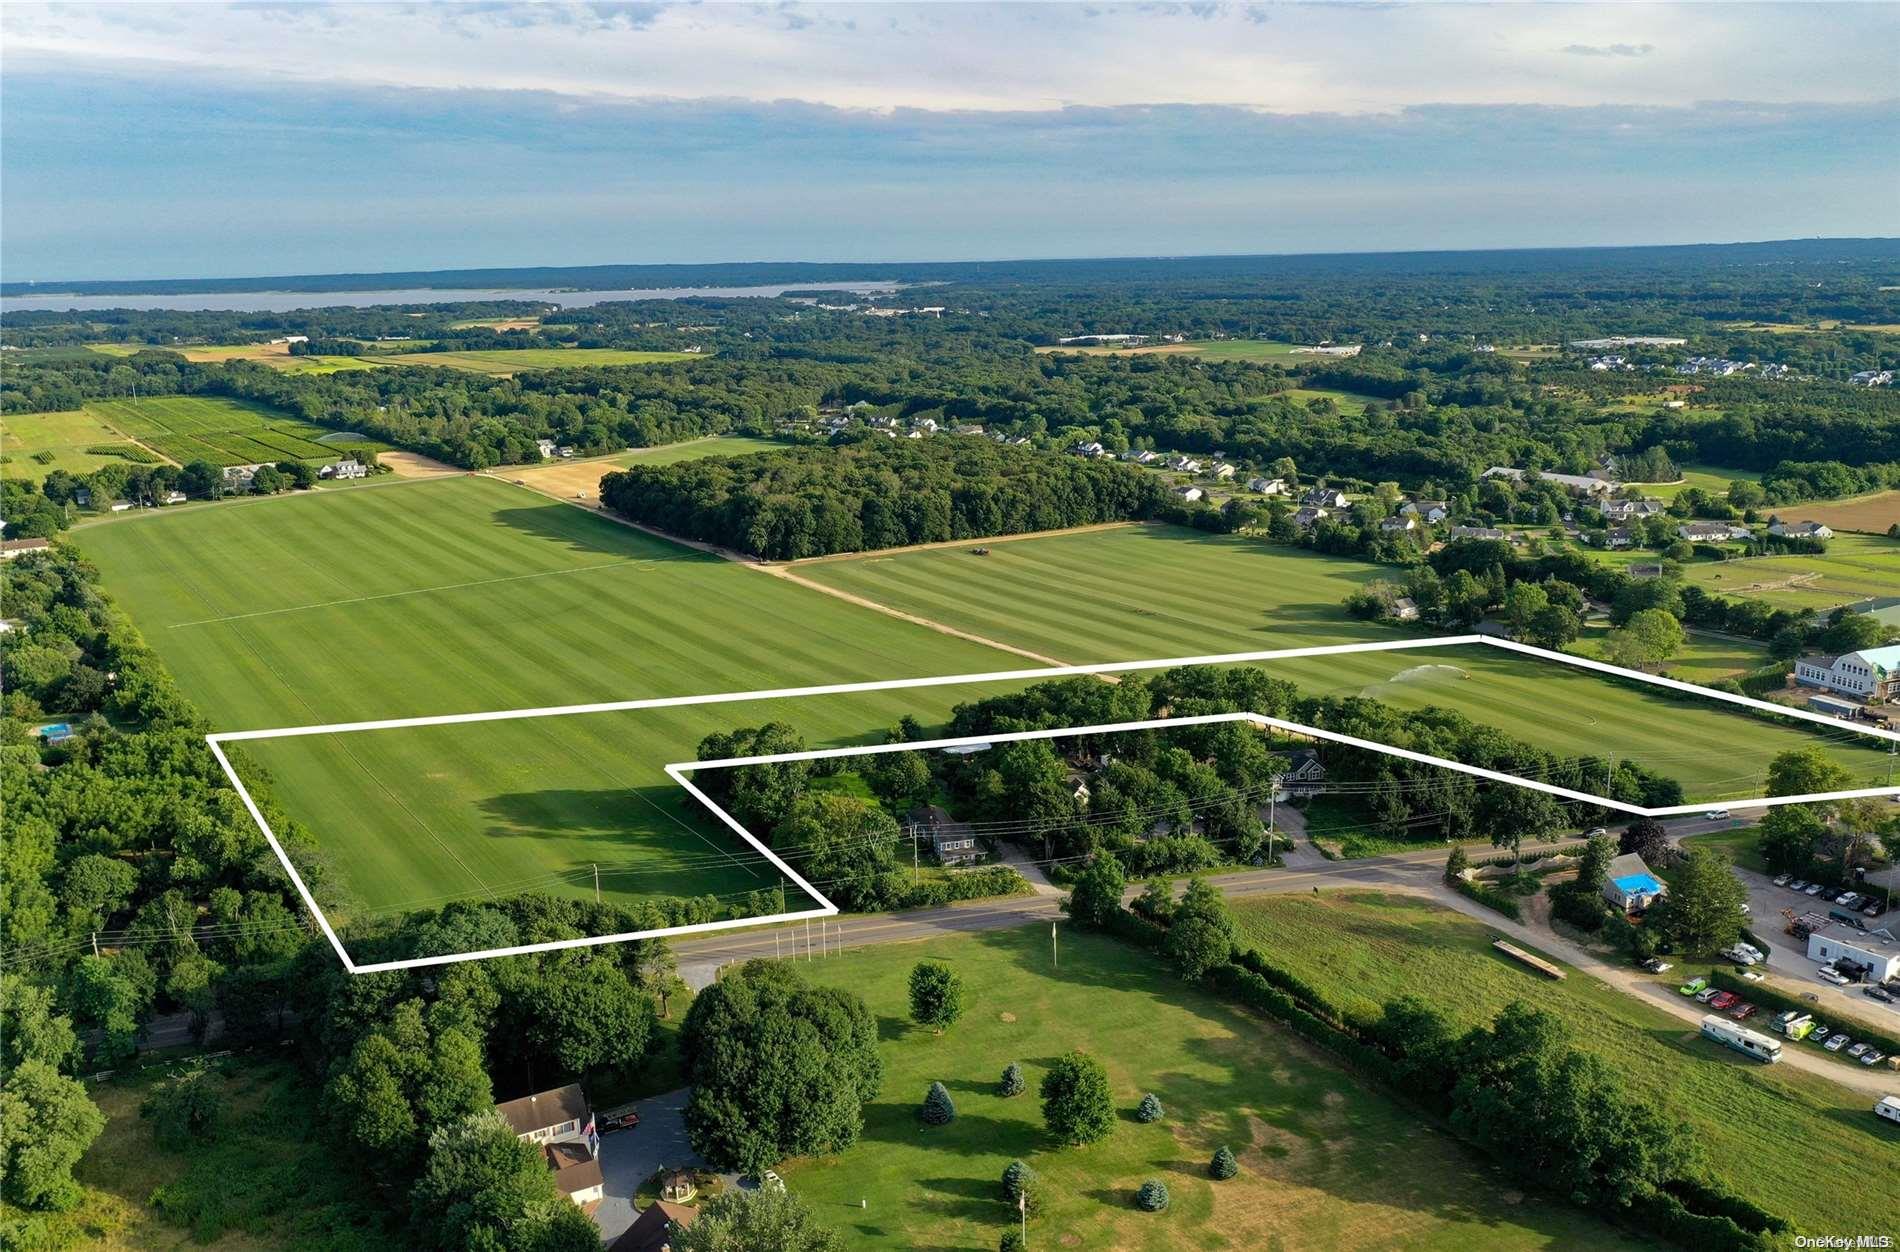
(1856, 1050)
(1716, 815)
(1722, 1000)
(1656, 965)
(1594, 831)
(1693, 986)
(1751, 976)
(1798, 884)
(1836, 1043)
(1743, 1011)
(1846, 899)
(1820, 1033)
(1871, 1057)
(1781, 880)
(1827, 973)
(1708, 994)
(1812, 889)
(1800, 1031)
(1877, 993)
(1874, 908)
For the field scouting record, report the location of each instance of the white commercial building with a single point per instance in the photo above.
(1842, 946)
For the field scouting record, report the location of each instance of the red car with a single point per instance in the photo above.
(1742, 1012)
(1723, 1000)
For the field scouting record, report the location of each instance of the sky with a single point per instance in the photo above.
(208, 140)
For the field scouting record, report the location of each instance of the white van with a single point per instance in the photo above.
(1889, 1108)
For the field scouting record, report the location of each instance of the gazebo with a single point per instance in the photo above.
(677, 1186)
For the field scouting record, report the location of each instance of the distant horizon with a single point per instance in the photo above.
(465, 277)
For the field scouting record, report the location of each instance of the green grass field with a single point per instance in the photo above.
(1206, 349)
(514, 360)
(62, 438)
(466, 595)
(1349, 402)
(1324, 1161)
(216, 429)
(1151, 591)
(1363, 948)
(1713, 480)
(1855, 567)
(696, 449)
(1703, 658)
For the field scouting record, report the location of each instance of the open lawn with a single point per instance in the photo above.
(35, 444)
(469, 594)
(1324, 1162)
(1361, 949)
(1854, 567)
(1349, 402)
(504, 361)
(1870, 514)
(218, 430)
(1154, 591)
(1703, 658)
(1714, 481)
(580, 479)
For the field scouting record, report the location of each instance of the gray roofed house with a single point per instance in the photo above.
(1324, 498)
(1477, 532)
(1307, 517)
(1711, 532)
(1800, 530)
(1579, 483)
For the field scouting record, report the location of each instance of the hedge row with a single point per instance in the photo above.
(1490, 897)
(1760, 994)
(1664, 1217)
(976, 884)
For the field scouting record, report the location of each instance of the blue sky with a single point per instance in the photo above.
(154, 141)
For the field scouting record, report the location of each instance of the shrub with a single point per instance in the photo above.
(1012, 1083)
(939, 1109)
(1076, 1101)
(184, 1110)
(1012, 1241)
(936, 995)
(1149, 1110)
(1223, 1166)
(1152, 1196)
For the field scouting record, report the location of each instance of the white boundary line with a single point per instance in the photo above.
(679, 769)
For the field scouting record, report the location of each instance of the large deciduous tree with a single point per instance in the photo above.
(1076, 1101)
(936, 995)
(1702, 910)
(748, 1221)
(779, 1068)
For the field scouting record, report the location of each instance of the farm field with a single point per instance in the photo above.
(1855, 567)
(1349, 402)
(469, 594)
(504, 361)
(570, 480)
(275, 355)
(1871, 514)
(63, 439)
(218, 430)
(1154, 591)
(1361, 949)
(1324, 1161)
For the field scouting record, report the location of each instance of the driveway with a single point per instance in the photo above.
(629, 1157)
(1788, 959)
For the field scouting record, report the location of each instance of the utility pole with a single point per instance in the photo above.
(1273, 798)
(596, 884)
(916, 873)
(1054, 954)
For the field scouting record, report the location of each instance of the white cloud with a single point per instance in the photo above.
(990, 57)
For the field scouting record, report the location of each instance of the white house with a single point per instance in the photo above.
(344, 469)
(1091, 448)
(1579, 483)
(1842, 947)
(1324, 498)
(1307, 517)
(1799, 530)
(547, 448)
(1185, 465)
(1305, 776)
(238, 476)
(1711, 532)
(172, 497)
(560, 1123)
(1405, 609)
(1267, 486)
(1870, 674)
(1141, 456)
(1433, 511)
(1189, 493)
(1619, 537)
(1628, 510)
(1398, 525)
(1222, 472)
(1477, 532)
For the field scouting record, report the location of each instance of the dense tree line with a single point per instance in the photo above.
(878, 493)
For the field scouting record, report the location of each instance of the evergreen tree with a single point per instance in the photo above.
(1223, 1166)
(1012, 1081)
(938, 1108)
(1149, 1110)
(1152, 1196)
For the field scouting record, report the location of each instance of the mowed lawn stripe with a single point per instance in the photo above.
(1163, 591)
(440, 813)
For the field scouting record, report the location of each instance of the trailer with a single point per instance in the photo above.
(1747, 1042)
